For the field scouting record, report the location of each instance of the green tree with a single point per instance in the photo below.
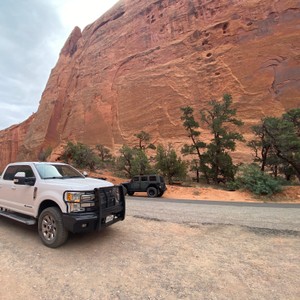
(124, 161)
(169, 164)
(283, 134)
(132, 161)
(104, 153)
(277, 144)
(80, 155)
(195, 167)
(195, 148)
(287, 170)
(264, 152)
(293, 116)
(219, 119)
(144, 138)
(261, 146)
(141, 164)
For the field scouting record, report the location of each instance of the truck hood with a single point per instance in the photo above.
(78, 184)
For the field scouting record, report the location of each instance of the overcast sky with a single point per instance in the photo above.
(32, 33)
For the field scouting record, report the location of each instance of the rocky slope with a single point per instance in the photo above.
(134, 67)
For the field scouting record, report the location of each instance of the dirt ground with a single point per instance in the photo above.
(146, 259)
(289, 194)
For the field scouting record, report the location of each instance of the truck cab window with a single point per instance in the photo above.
(13, 170)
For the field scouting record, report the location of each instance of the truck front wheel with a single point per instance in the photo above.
(51, 228)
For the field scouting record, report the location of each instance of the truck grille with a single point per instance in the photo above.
(110, 203)
(108, 197)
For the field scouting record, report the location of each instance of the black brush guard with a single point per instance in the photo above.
(108, 210)
(111, 208)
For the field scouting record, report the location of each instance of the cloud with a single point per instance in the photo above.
(27, 30)
(81, 12)
(32, 35)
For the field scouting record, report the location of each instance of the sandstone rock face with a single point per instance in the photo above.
(11, 141)
(134, 67)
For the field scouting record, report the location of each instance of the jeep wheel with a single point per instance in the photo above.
(130, 193)
(152, 192)
(51, 229)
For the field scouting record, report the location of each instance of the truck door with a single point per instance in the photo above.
(17, 197)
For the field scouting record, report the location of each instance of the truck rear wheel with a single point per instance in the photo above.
(51, 228)
(152, 192)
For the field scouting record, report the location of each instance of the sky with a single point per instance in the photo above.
(32, 33)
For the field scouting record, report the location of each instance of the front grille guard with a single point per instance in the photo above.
(108, 205)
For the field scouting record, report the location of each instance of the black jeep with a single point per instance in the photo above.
(154, 185)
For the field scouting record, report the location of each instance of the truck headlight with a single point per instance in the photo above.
(78, 197)
(72, 197)
(75, 207)
(79, 201)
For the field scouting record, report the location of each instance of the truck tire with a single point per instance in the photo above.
(130, 193)
(51, 228)
(152, 192)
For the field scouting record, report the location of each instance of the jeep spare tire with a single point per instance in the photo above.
(152, 192)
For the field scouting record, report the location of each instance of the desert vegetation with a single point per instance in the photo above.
(275, 149)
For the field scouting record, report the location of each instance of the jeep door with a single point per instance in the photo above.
(135, 184)
(144, 183)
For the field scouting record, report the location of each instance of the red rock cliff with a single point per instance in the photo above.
(134, 68)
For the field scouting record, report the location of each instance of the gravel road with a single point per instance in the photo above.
(261, 215)
(161, 251)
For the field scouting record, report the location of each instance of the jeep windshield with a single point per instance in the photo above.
(57, 171)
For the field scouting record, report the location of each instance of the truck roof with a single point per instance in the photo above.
(36, 162)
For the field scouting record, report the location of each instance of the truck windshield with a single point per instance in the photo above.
(57, 171)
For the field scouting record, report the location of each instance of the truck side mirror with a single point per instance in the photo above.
(21, 179)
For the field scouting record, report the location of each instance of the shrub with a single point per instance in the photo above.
(80, 155)
(257, 182)
(233, 185)
(169, 165)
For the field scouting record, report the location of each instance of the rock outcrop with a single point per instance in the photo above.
(11, 141)
(134, 67)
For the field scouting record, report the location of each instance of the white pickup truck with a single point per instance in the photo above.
(59, 199)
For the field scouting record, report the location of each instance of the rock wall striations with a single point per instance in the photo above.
(134, 67)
